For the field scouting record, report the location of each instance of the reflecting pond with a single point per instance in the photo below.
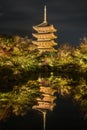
(58, 104)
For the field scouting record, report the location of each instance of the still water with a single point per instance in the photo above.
(65, 115)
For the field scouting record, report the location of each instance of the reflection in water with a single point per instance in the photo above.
(66, 88)
(46, 102)
(44, 120)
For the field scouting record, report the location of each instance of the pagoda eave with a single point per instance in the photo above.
(44, 43)
(42, 29)
(44, 36)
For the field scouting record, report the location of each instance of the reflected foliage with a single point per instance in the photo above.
(21, 66)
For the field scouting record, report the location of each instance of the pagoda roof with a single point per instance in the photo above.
(44, 105)
(47, 42)
(44, 27)
(44, 36)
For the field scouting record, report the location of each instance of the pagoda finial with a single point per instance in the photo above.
(45, 13)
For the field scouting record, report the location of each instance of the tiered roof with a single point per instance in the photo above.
(44, 28)
(47, 102)
(44, 35)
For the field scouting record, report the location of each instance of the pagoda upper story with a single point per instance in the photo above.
(44, 35)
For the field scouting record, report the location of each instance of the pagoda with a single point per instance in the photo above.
(44, 35)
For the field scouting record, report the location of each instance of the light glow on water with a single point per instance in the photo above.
(44, 120)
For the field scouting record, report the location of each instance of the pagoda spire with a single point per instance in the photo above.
(45, 14)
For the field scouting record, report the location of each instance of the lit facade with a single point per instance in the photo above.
(44, 35)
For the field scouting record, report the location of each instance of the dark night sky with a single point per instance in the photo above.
(68, 16)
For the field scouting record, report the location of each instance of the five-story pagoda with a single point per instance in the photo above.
(44, 36)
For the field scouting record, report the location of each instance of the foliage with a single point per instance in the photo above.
(19, 100)
(20, 62)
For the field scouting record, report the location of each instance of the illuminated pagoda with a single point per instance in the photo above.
(44, 36)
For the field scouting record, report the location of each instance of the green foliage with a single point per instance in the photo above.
(19, 100)
(18, 61)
